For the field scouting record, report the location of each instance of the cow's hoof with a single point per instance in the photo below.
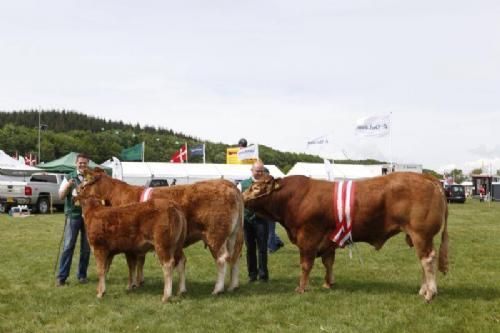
(181, 292)
(423, 290)
(429, 295)
(100, 295)
(233, 288)
(217, 292)
(300, 290)
(164, 299)
(327, 285)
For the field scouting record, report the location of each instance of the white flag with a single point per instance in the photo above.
(321, 141)
(374, 126)
(249, 153)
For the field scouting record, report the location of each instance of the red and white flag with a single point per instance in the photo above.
(30, 159)
(180, 156)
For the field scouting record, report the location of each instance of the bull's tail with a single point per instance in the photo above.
(443, 248)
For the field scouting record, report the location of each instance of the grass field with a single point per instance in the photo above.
(379, 295)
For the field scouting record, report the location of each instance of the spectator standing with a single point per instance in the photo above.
(73, 225)
(256, 230)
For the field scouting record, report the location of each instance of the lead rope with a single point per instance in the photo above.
(352, 246)
(59, 248)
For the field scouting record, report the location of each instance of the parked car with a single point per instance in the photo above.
(455, 193)
(39, 192)
(156, 182)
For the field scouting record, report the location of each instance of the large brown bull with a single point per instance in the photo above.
(213, 210)
(382, 207)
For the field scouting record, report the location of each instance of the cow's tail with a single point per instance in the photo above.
(237, 234)
(443, 248)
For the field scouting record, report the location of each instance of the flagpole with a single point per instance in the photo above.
(187, 160)
(39, 135)
(390, 139)
(203, 153)
(143, 150)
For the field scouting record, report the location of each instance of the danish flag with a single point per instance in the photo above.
(30, 159)
(180, 156)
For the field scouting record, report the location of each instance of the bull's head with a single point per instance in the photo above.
(262, 187)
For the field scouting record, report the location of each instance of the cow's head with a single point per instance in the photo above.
(91, 177)
(261, 188)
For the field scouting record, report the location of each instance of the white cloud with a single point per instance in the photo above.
(275, 72)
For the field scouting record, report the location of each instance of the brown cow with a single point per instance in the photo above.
(382, 207)
(135, 229)
(213, 209)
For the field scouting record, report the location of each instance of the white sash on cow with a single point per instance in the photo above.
(146, 194)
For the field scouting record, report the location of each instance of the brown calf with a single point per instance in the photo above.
(135, 229)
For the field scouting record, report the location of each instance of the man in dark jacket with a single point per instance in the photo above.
(256, 232)
(73, 225)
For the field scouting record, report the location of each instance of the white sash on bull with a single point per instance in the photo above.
(343, 212)
(146, 194)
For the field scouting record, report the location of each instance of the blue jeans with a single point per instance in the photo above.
(273, 240)
(71, 229)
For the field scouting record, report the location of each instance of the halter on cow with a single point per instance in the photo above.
(383, 206)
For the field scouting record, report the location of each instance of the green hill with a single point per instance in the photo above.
(65, 131)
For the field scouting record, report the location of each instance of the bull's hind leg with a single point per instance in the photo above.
(328, 260)
(306, 264)
(427, 257)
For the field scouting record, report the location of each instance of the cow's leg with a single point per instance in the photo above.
(306, 264)
(101, 259)
(222, 257)
(427, 257)
(109, 260)
(132, 266)
(429, 267)
(328, 260)
(235, 273)
(168, 268)
(140, 269)
(181, 269)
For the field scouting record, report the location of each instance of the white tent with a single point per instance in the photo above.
(338, 171)
(138, 173)
(12, 169)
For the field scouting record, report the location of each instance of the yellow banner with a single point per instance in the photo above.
(232, 155)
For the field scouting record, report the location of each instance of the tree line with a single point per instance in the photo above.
(65, 131)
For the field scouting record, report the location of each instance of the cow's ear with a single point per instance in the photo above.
(98, 170)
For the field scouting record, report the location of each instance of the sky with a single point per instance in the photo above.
(278, 73)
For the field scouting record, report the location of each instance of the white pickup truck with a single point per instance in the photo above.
(40, 192)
